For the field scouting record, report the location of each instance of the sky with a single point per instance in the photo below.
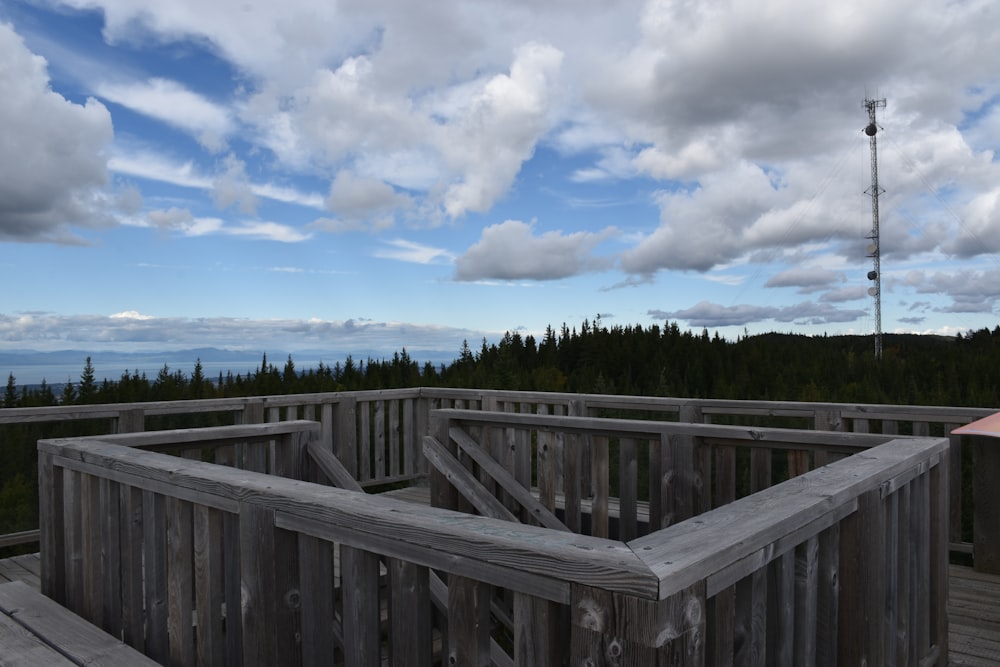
(389, 174)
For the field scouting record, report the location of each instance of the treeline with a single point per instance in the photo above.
(594, 358)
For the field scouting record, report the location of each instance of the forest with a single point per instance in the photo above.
(651, 361)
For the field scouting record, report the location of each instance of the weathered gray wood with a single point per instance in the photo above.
(537, 637)
(680, 556)
(331, 466)
(600, 474)
(466, 483)
(51, 532)
(377, 443)
(828, 596)
(781, 610)
(750, 626)
(180, 582)
(572, 457)
(806, 601)
(209, 584)
(259, 594)
(468, 622)
(628, 468)
(316, 581)
(133, 619)
(80, 641)
(154, 556)
(21, 648)
(410, 608)
(520, 494)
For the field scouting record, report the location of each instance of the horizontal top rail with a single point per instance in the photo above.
(944, 414)
(634, 428)
(212, 435)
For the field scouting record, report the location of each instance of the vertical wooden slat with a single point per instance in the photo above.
(411, 436)
(920, 597)
(781, 610)
(359, 579)
(828, 596)
(52, 545)
(394, 467)
(537, 639)
(806, 600)
(906, 566)
(654, 463)
(364, 443)
(111, 558)
(750, 627)
(72, 519)
(180, 582)
(154, 555)
(317, 594)
(601, 482)
(209, 584)
(409, 614)
(760, 469)
(571, 481)
(131, 566)
(468, 622)
(939, 485)
(954, 481)
(891, 620)
(628, 491)
(345, 442)
(90, 526)
(232, 587)
(547, 466)
(378, 443)
(687, 473)
(258, 599)
(286, 625)
(862, 590)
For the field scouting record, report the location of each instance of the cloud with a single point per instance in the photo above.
(707, 314)
(181, 220)
(416, 253)
(510, 251)
(141, 332)
(232, 187)
(807, 279)
(53, 166)
(970, 290)
(171, 103)
(229, 186)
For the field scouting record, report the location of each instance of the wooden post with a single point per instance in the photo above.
(621, 630)
(52, 543)
(986, 511)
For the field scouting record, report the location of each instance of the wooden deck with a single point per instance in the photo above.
(973, 608)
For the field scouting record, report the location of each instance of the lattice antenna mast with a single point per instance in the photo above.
(874, 249)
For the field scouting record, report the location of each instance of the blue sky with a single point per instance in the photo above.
(388, 174)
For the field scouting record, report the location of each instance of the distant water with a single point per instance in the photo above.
(60, 374)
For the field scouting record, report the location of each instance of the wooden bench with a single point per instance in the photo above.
(35, 630)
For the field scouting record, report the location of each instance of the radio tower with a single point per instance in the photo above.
(874, 250)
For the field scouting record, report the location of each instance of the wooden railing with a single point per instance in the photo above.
(220, 564)
(376, 434)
